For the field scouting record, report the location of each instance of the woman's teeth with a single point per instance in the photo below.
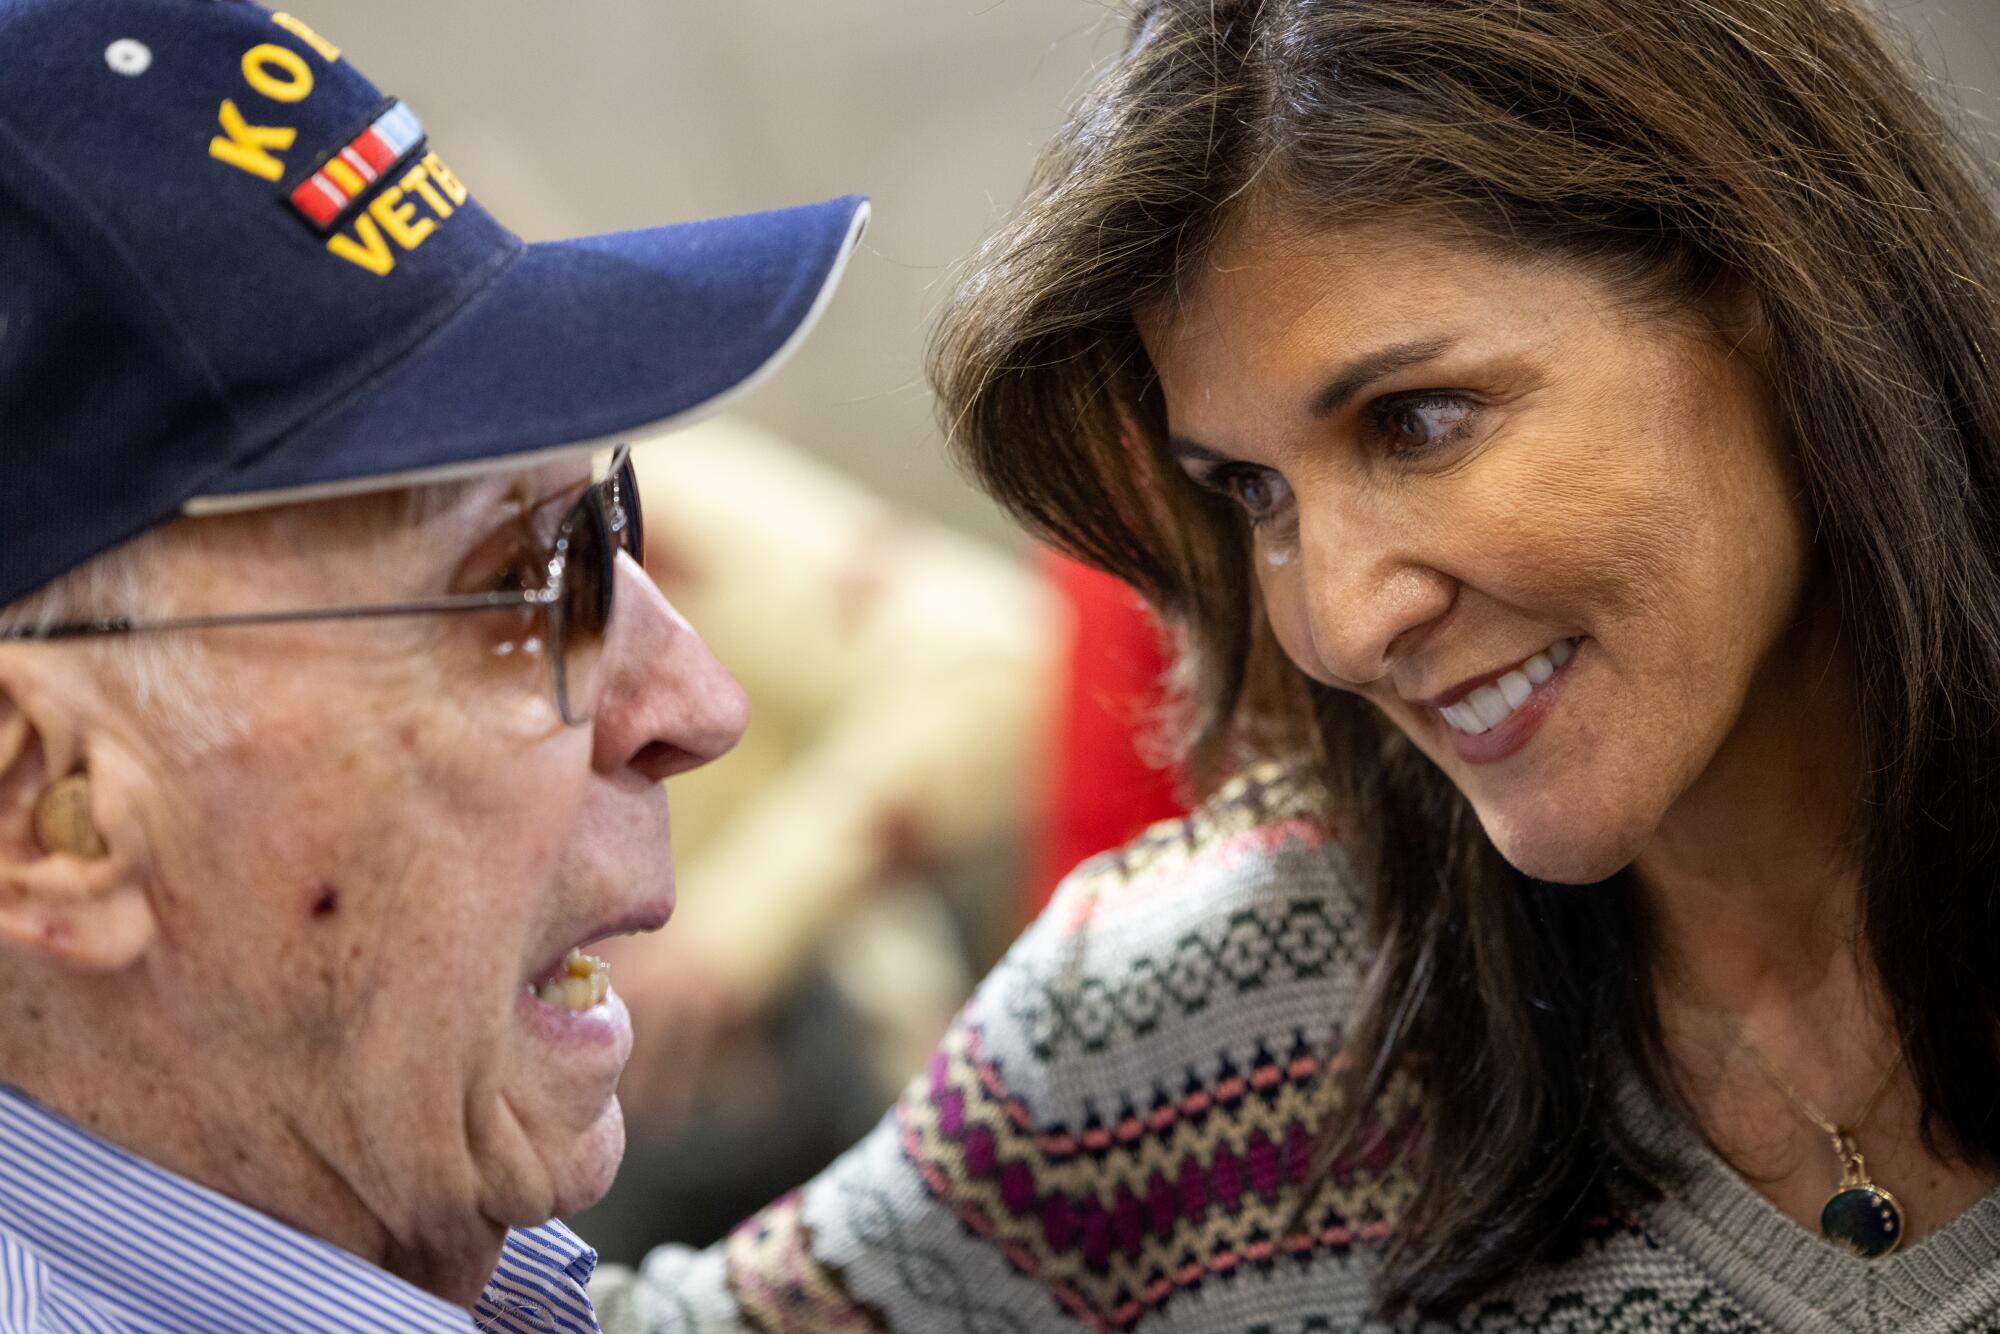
(581, 982)
(1492, 704)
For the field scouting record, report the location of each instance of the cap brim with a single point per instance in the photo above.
(578, 345)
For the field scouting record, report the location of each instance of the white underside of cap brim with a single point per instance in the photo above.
(200, 506)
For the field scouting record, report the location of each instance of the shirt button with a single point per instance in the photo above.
(530, 1315)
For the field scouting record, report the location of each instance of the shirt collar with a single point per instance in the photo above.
(156, 1249)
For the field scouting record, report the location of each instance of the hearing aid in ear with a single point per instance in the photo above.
(62, 819)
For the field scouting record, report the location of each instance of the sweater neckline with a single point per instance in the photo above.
(1791, 1276)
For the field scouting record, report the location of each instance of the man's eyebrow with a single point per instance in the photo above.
(519, 497)
(468, 514)
(1356, 375)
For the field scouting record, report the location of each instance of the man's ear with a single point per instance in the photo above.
(72, 888)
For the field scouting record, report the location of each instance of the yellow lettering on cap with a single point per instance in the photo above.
(448, 182)
(399, 218)
(418, 179)
(263, 65)
(327, 50)
(249, 147)
(365, 249)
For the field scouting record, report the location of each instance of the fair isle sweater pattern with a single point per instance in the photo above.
(1118, 1135)
(1117, 1219)
(1163, 1191)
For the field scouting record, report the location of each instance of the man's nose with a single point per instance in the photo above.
(1370, 593)
(667, 704)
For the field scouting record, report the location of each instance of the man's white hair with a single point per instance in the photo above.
(167, 677)
(95, 587)
(170, 678)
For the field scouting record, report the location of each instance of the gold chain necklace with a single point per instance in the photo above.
(1860, 1215)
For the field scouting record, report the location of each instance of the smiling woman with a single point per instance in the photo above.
(1554, 498)
(1569, 425)
(1563, 435)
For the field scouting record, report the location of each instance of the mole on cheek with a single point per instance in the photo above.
(325, 901)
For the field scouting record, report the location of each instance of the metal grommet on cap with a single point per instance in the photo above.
(129, 56)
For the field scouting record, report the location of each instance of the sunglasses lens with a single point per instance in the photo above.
(604, 523)
(623, 503)
(585, 612)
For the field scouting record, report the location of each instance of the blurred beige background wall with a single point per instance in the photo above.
(593, 115)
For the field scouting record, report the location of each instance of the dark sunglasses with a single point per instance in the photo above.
(572, 602)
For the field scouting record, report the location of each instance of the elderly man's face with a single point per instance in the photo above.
(355, 889)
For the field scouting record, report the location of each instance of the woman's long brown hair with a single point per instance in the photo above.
(1780, 150)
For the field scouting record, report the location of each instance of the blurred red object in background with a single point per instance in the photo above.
(1099, 790)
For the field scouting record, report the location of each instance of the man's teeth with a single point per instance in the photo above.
(581, 983)
(1492, 704)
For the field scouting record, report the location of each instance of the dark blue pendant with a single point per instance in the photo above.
(1864, 1218)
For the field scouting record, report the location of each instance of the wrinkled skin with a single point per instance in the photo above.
(299, 974)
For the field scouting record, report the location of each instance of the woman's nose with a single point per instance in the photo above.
(1369, 593)
(667, 705)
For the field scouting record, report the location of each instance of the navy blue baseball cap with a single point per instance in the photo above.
(234, 273)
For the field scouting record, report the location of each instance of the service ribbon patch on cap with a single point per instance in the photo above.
(323, 198)
(371, 200)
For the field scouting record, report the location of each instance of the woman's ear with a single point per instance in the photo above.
(69, 893)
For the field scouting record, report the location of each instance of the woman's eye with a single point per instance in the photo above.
(1418, 423)
(1261, 492)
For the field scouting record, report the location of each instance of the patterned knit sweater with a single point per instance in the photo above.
(1116, 1133)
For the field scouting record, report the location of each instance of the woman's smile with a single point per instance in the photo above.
(1521, 482)
(1575, 439)
(1494, 715)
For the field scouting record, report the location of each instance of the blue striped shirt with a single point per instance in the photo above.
(96, 1241)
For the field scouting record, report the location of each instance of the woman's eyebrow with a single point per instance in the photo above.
(1356, 375)
(1339, 387)
(1183, 448)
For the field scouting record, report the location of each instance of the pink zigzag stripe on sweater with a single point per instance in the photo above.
(1092, 1231)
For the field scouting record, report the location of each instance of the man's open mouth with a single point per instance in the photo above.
(579, 982)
